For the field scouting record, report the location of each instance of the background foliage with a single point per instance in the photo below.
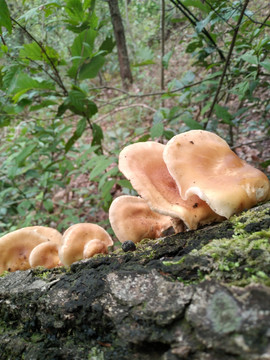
(64, 115)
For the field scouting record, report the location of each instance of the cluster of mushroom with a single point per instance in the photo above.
(34, 246)
(193, 180)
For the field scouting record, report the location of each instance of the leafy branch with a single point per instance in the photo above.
(57, 77)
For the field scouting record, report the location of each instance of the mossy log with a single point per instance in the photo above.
(201, 295)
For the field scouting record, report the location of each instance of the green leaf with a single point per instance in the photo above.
(192, 124)
(9, 76)
(143, 138)
(83, 44)
(22, 83)
(157, 130)
(42, 105)
(78, 103)
(31, 51)
(200, 25)
(223, 113)
(48, 205)
(166, 59)
(24, 154)
(196, 3)
(102, 165)
(265, 164)
(81, 125)
(23, 207)
(48, 7)
(125, 184)
(106, 189)
(76, 98)
(90, 69)
(192, 46)
(188, 78)
(5, 20)
(107, 45)
(169, 134)
(144, 63)
(97, 137)
(249, 58)
(266, 64)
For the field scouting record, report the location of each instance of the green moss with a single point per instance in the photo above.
(95, 354)
(239, 259)
(36, 337)
(4, 273)
(178, 262)
(42, 273)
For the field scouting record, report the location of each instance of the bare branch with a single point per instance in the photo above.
(101, 118)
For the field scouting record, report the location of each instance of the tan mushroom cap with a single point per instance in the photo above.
(203, 164)
(132, 219)
(143, 164)
(76, 237)
(46, 255)
(15, 248)
(50, 233)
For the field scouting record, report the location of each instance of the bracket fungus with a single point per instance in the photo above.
(202, 164)
(143, 164)
(132, 219)
(16, 246)
(83, 240)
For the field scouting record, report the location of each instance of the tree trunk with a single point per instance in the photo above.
(199, 295)
(119, 34)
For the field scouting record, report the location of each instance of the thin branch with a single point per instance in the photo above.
(3, 40)
(58, 78)
(162, 36)
(258, 22)
(193, 19)
(264, 22)
(249, 143)
(217, 13)
(101, 118)
(227, 62)
(158, 93)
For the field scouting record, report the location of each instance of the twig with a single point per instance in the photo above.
(158, 93)
(3, 40)
(258, 22)
(101, 118)
(217, 13)
(226, 63)
(249, 143)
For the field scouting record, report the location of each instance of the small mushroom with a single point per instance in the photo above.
(143, 164)
(132, 219)
(94, 247)
(202, 164)
(83, 240)
(16, 246)
(46, 255)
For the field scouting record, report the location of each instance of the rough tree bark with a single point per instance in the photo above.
(119, 34)
(199, 295)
